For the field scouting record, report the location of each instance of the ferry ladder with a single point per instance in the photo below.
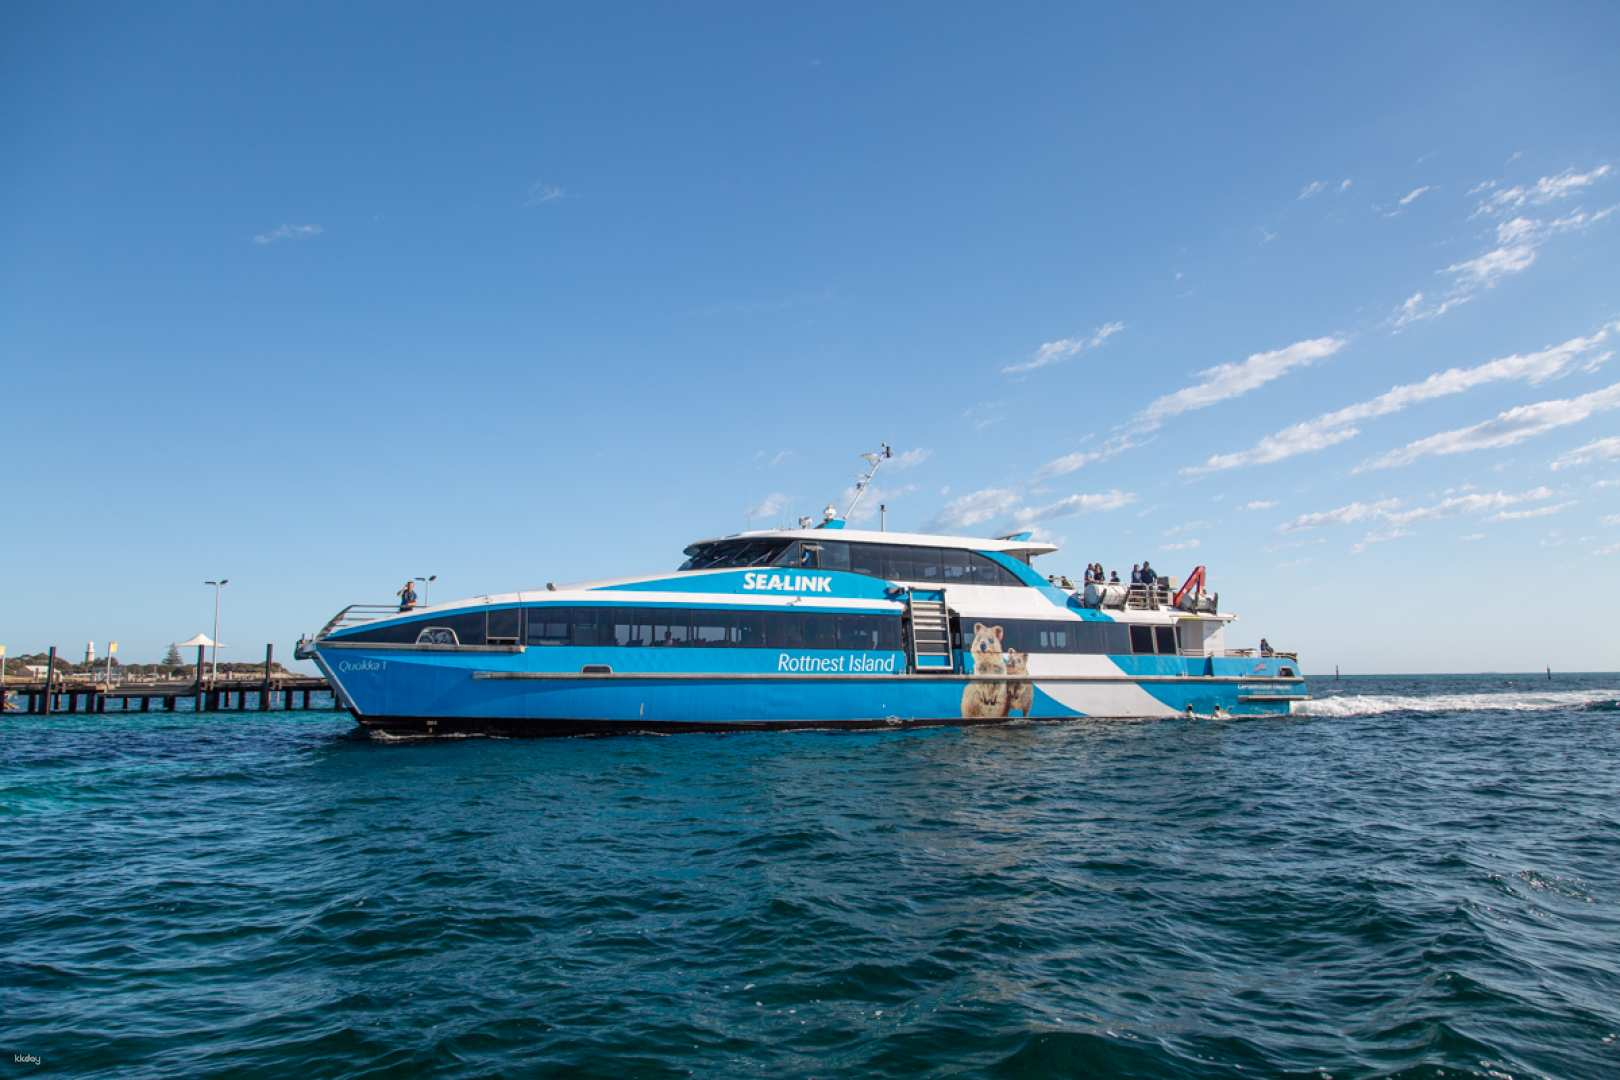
(930, 623)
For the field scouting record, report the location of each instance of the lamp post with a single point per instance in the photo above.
(213, 674)
(426, 581)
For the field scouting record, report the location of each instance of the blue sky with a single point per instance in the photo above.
(320, 298)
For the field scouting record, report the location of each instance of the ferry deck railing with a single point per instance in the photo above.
(355, 614)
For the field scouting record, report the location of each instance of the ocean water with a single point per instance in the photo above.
(1420, 878)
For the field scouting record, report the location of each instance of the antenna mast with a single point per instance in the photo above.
(873, 460)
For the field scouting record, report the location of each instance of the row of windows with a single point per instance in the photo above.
(659, 626)
(891, 562)
(1047, 636)
(653, 626)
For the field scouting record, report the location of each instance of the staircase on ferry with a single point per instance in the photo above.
(930, 624)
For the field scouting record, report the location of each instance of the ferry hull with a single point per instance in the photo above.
(411, 693)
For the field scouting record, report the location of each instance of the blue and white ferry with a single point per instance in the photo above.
(820, 626)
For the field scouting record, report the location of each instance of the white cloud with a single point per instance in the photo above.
(1471, 538)
(1415, 194)
(1315, 187)
(1545, 190)
(1518, 240)
(1185, 545)
(770, 506)
(1259, 504)
(872, 502)
(541, 192)
(1506, 429)
(976, 508)
(287, 232)
(1232, 380)
(991, 504)
(1540, 511)
(1073, 504)
(1612, 519)
(1057, 351)
(1378, 536)
(1068, 463)
(985, 414)
(1330, 429)
(1611, 549)
(1344, 185)
(910, 459)
(1392, 513)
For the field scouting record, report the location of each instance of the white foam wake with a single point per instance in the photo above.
(1502, 701)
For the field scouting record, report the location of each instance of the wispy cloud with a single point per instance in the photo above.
(540, 193)
(1054, 352)
(1259, 504)
(770, 506)
(287, 232)
(1225, 381)
(1505, 429)
(1518, 241)
(996, 504)
(1607, 449)
(1068, 463)
(1184, 545)
(1312, 189)
(985, 414)
(1579, 353)
(873, 501)
(1545, 190)
(1414, 195)
(1538, 512)
(1392, 517)
(910, 459)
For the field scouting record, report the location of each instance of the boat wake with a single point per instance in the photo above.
(1503, 701)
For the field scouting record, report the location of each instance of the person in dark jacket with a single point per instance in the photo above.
(407, 597)
(1148, 576)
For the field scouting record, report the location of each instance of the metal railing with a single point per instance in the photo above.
(355, 614)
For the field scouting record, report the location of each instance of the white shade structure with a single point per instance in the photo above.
(195, 640)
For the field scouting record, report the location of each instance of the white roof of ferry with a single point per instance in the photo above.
(871, 536)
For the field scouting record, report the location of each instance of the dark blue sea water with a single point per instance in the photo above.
(1423, 879)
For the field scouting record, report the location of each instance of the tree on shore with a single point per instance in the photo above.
(172, 657)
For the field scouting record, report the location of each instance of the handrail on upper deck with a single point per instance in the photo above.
(355, 614)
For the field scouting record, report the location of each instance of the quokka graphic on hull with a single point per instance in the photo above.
(819, 626)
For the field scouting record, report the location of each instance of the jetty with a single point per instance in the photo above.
(264, 691)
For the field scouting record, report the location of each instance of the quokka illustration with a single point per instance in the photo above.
(986, 699)
(1020, 695)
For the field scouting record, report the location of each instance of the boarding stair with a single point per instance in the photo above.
(930, 623)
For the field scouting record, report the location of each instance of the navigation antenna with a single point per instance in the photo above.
(873, 460)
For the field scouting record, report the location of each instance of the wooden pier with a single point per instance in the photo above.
(270, 691)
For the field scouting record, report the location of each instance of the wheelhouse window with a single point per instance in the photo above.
(1165, 638)
(1142, 639)
(729, 554)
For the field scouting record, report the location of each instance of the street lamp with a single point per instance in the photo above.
(213, 674)
(425, 581)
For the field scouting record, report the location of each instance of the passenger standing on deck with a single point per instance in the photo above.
(1113, 577)
(1265, 647)
(407, 597)
(1148, 576)
(1136, 573)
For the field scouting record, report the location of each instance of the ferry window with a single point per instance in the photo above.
(587, 626)
(505, 626)
(669, 627)
(868, 559)
(549, 627)
(751, 630)
(1166, 636)
(988, 572)
(632, 626)
(1055, 639)
(437, 635)
(711, 628)
(926, 564)
(955, 566)
(834, 555)
(1141, 639)
(820, 631)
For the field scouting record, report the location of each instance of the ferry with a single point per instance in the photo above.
(819, 626)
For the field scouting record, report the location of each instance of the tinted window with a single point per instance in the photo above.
(957, 568)
(987, 572)
(925, 565)
(868, 559)
(834, 555)
(1141, 639)
(1166, 638)
(505, 625)
(712, 627)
